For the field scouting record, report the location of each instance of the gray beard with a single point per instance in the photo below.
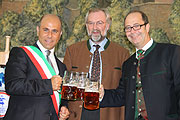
(96, 38)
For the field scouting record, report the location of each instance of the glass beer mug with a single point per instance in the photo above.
(69, 88)
(91, 95)
(81, 85)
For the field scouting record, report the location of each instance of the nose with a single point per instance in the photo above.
(49, 34)
(94, 26)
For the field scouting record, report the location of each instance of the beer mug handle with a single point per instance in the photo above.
(59, 91)
(65, 72)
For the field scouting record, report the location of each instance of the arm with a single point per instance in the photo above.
(175, 68)
(113, 98)
(22, 78)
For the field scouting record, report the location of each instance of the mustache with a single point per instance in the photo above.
(96, 31)
(93, 31)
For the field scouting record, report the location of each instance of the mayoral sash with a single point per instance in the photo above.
(45, 69)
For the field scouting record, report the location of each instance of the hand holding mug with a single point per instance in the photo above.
(56, 81)
(101, 92)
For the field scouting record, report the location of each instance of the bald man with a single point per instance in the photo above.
(32, 81)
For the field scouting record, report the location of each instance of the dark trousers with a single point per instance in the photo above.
(90, 114)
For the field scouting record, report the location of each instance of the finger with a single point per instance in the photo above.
(64, 116)
(101, 91)
(64, 113)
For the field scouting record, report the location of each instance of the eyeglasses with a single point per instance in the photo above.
(135, 27)
(98, 23)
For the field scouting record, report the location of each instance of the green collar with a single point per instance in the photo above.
(149, 49)
(106, 45)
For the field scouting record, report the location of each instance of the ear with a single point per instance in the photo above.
(107, 26)
(87, 30)
(61, 33)
(37, 28)
(86, 26)
(148, 27)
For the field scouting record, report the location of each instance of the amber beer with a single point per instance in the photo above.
(91, 100)
(69, 92)
(80, 93)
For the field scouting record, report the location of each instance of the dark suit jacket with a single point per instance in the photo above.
(160, 75)
(29, 94)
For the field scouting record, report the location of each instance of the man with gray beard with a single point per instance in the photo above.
(79, 58)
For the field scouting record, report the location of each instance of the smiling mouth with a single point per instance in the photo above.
(96, 32)
(48, 41)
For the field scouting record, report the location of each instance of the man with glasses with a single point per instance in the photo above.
(79, 58)
(150, 83)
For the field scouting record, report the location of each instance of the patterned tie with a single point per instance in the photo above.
(48, 52)
(142, 113)
(95, 72)
(140, 54)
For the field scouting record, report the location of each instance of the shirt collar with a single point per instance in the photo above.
(44, 49)
(147, 46)
(101, 44)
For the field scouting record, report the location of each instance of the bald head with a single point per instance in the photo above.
(49, 17)
(49, 31)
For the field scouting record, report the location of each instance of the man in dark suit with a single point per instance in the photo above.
(150, 83)
(32, 88)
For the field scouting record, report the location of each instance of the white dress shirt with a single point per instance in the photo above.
(51, 56)
(147, 46)
(101, 44)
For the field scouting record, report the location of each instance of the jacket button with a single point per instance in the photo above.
(87, 66)
(132, 107)
(50, 114)
(133, 77)
(134, 63)
(133, 92)
(80, 106)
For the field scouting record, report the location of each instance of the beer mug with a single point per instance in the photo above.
(81, 85)
(69, 88)
(91, 95)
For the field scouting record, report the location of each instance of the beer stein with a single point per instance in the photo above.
(69, 88)
(91, 95)
(81, 85)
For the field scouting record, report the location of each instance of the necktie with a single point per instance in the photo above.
(142, 113)
(95, 72)
(48, 52)
(140, 54)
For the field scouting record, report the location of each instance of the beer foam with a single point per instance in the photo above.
(91, 91)
(81, 87)
(69, 85)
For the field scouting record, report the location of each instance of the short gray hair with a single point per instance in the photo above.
(106, 12)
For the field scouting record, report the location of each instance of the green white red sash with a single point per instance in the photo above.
(45, 69)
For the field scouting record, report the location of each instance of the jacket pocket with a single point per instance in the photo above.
(117, 68)
(172, 117)
(74, 67)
